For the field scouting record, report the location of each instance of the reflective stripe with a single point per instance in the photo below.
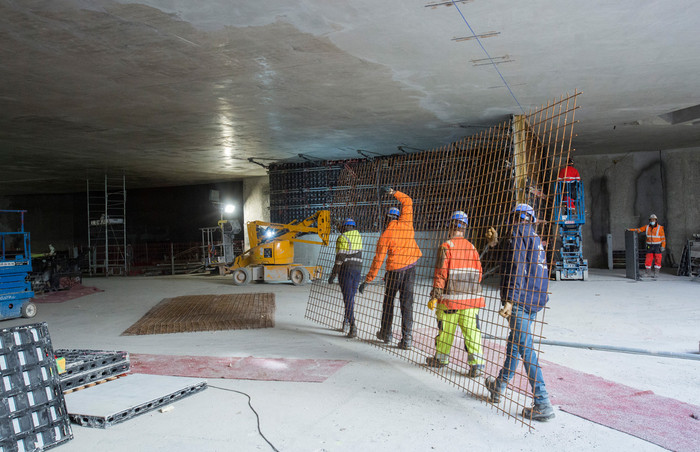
(461, 296)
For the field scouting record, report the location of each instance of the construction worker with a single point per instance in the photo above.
(524, 287)
(399, 244)
(656, 244)
(457, 296)
(348, 264)
(569, 173)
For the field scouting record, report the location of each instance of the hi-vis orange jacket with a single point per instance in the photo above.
(397, 241)
(655, 235)
(458, 274)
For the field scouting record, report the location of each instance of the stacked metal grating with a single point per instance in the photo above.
(297, 190)
(88, 366)
(33, 413)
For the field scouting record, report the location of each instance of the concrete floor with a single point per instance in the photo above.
(378, 401)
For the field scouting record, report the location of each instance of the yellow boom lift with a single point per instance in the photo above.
(271, 253)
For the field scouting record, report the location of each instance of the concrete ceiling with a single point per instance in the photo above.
(173, 92)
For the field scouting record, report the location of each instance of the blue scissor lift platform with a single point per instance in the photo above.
(15, 265)
(570, 215)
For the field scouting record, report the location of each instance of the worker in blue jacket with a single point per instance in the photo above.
(524, 284)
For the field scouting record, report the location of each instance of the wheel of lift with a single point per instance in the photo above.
(28, 310)
(585, 275)
(241, 276)
(299, 276)
(558, 275)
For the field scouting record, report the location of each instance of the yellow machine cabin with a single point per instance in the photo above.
(271, 253)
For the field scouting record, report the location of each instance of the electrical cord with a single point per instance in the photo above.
(253, 409)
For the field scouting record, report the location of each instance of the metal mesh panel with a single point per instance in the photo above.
(485, 176)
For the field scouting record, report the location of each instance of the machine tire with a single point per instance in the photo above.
(299, 276)
(241, 276)
(28, 310)
(558, 275)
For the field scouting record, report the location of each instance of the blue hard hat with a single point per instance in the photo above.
(349, 222)
(394, 211)
(525, 210)
(461, 218)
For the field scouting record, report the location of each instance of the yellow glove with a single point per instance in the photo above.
(491, 236)
(432, 303)
(506, 310)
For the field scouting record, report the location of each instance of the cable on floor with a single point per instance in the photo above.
(251, 407)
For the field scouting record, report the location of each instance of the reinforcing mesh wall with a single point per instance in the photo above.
(485, 176)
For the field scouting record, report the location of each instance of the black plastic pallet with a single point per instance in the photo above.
(87, 366)
(99, 406)
(33, 412)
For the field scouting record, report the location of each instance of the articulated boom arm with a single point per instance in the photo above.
(318, 223)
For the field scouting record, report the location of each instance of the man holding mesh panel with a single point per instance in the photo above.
(457, 296)
(397, 243)
(524, 284)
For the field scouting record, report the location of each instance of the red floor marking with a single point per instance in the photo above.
(660, 420)
(268, 369)
(663, 421)
(64, 295)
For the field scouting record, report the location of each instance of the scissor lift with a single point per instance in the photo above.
(15, 265)
(570, 215)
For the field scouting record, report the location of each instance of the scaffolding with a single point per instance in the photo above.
(106, 208)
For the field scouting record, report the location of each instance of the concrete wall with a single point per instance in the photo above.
(622, 190)
(256, 202)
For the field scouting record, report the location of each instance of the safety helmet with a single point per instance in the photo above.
(394, 211)
(460, 218)
(652, 217)
(349, 222)
(525, 210)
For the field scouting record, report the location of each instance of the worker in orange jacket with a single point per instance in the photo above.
(656, 244)
(457, 296)
(399, 244)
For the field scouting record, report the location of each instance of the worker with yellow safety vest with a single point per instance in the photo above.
(457, 297)
(348, 265)
(656, 244)
(399, 244)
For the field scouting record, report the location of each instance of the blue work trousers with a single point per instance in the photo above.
(349, 279)
(520, 346)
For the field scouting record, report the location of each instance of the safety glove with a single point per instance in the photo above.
(432, 304)
(506, 310)
(491, 236)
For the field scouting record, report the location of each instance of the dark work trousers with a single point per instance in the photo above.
(349, 279)
(399, 281)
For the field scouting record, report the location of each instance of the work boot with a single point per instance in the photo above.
(656, 272)
(353, 331)
(539, 412)
(346, 327)
(493, 387)
(405, 343)
(384, 337)
(476, 371)
(647, 272)
(434, 362)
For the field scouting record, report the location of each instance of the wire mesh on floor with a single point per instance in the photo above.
(485, 176)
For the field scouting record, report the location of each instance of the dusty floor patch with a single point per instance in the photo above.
(249, 368)
(207, 313)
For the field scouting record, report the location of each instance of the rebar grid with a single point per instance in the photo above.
(485, 176)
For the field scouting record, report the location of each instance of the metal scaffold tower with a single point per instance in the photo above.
(107, 226)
